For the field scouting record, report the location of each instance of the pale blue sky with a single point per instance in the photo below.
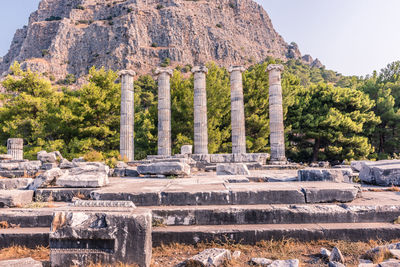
(349, 36)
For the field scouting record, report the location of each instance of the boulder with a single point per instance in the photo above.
(187, 150)
(47, 178)
(333, 175)
(260, 261)
(209, 257)
(25, 262)
(51, 157)
(285, 263)
(357, 165)
(232, 169)
(325, 253)
(383, 173)
(91, 174)
(15, 198)
(336, 256)
(15, 183)
(164, 168)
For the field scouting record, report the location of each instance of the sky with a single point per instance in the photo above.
(353, 37)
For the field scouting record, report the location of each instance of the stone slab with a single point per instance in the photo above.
(25, 262)
(15, 198)
(15, 183)
(164, 168)
(91, 174)
(25, 237)
(333, 175)
(232, 169)
(383, 173)
(322, 194)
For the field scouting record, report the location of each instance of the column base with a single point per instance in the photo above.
(278, 162)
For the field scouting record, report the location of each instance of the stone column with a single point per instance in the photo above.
(237, 111)
(277, 135)
(164, 111)
(200, 111)
(15, 148)
(127, 145)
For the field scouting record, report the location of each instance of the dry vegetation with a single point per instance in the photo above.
(306, 252)
(389, 189)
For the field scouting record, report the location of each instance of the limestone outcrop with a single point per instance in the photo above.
(70, 36)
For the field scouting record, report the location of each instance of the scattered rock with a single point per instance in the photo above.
(260, 261)
(119, 172)
(25, 262)
(91, 174)
(336, 264)
(51, 157)
(209, 257)
(66, 164)
(236, 254)
(325, 253)
(232, 169)
(47, 178)
(15, 198)
(336, 255)
(285, 263)
(6, 157)
(357, 165)
(49, 166)
(164, 168)
(395, 253)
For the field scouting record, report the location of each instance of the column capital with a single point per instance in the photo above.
(236, 68)
(127, 72)
(278, 67)
(164, 70)
(200, 69)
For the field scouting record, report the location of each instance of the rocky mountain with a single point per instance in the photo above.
(70, 36)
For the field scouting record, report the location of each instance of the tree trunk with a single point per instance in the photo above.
(316, 149)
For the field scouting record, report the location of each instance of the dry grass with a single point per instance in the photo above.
(306, 252)
(4, 225)
(397, 221)
(80, 196)
(389, 189)
(17, 252)
(382, 255)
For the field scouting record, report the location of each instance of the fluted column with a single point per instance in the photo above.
(277, 135)
(164, 111)
(127, 145)
(200, 110)
(237, 111)
(15, 148)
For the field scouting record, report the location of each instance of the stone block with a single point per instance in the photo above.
(47, 178)
(324, 195)
(15, 198)
(383, 173)
(49, 166)
(187, 150)
(66, 164)
(357, 165)
(165, 168)
(119, 172)
(336, 256)
(25, 262)
(131, 172)
(6, 157)
(332, 175)
(260, 261)
(232, 169)
(51, 157)
(91, 174)
(34, 165)
(209, 257)
(79, 237)
(13, 173)
(15, 183)
(285, 263)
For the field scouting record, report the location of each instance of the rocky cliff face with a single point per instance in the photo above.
(70, 36)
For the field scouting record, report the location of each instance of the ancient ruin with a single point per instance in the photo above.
(15, 147)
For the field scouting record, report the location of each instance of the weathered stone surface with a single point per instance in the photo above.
(209, 257)
(15, 183)
(103, 203)
(66, 164)
(6, 157)
(394, 246)
(164, 111)
(33, 165)
(395, 253)
(333, 175)
(164, 168)
(91, 174)
(390, 263)
(336, 256)
(49, 166)
(232, 169)
(384, 173)
(51, 157)
(357, 165)
(322, 195)
(336, 264)
(260, 261)
(127, 146)
(47, 178)
(118, 172)
(159, 34)
(187, 150)
(15, 148)
(285, 263)
(77, 238)
(25, 262)
(15, 198)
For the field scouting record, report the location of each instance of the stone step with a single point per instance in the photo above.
(274, 214)
(26, 237)
(15, 198)
(152, 193)
(27, 217)
(251, 234)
